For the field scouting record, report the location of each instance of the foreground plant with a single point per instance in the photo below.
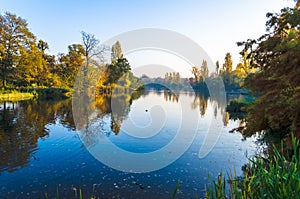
(275, 177)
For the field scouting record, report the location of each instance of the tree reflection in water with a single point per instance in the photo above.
(114, 107)
(22, 124)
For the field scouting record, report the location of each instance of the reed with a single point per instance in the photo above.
(275, 177)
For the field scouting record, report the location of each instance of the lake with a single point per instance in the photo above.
(42, 152)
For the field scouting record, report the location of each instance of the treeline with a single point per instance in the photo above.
(233, 79)
(25, 63)
(269, 68)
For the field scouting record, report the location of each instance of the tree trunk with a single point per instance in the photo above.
(4, 77)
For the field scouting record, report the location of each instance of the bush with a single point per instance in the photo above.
(53, 93)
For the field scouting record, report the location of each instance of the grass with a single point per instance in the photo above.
(176, 189)
(275, 177)
(75, 197)
(41, 93)
(16, 96)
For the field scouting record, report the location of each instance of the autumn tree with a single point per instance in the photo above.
(28, 68)
(275, 56)
(70, 63)
(173, 79)
(204, 70)
(167, 77)
(44, 76)
(226, 71)
(178, 78)
(240, 71)
(42, 45)
(227, 66)
(17, 43)
(197, 73)
(116, 51)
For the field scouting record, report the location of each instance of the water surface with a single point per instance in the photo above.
(41, 152)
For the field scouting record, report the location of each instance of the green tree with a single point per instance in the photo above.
(276, 57)
(117, 69)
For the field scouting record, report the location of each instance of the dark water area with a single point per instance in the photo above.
(41, 151)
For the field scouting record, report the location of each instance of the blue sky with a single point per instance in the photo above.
(215, 25)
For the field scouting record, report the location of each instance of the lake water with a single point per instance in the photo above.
(42, 152)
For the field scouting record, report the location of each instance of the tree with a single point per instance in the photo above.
(167, 78)
(275, 56)
(226, 71)
(117, 69)
(238, 76)
(16, 42)
(246, 62)
(204, 70)
(178, 78)
(90, 44)
(42, 45)
(43, 76)
(116, 51)
(227, 66)
(93, 55)
(29, 68)
(197, 73)
(217, 67)
(240, 71)
(70, 63)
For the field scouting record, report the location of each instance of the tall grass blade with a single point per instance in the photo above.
(176, 189)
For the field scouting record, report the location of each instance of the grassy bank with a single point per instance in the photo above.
(38, 93)
(16, 96)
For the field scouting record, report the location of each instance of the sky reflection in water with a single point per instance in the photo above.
(41, 151)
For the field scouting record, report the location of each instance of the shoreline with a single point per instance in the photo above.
(16, 96)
